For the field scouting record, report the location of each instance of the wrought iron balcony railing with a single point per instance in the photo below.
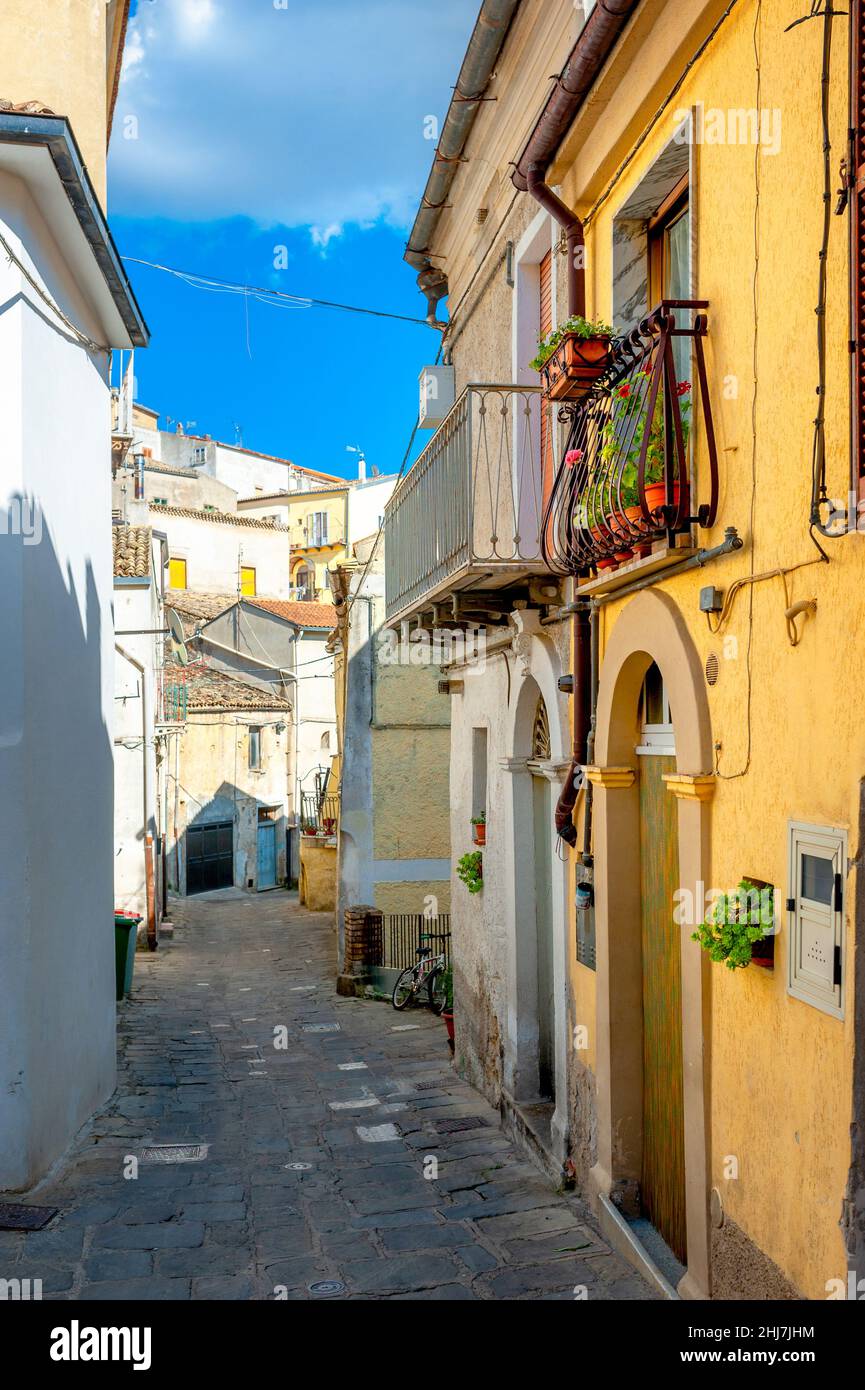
(171, 697)
(472, 504)
(625, 478)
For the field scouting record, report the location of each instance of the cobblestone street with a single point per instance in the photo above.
(314, 1172)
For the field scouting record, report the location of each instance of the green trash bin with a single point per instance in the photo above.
(125, 937)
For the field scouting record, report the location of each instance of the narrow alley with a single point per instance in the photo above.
(318, 1118)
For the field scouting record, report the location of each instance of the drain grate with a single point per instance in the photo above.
(428, 1085)
(14, 1216)
(174, 1153)
(321, 1028)
(461, 1122)
(326, 1288)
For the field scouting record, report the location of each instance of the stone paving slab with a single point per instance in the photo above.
(234, 1038)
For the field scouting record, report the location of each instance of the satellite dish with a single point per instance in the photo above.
(176, 637)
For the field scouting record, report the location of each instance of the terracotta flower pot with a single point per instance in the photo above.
(449, 1024)
(635, 516)
(597, 535)
(656, 495)
(574, 367)
(479, 834)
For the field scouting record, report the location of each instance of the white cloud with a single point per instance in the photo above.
(323, 236)
(307, 115)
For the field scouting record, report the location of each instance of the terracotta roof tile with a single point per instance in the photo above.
(197, 608)
(304, 614)
(132, 551)
(210, 690)
(219, 518)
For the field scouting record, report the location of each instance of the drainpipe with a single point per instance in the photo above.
(574, 235)
(591, 50)
(477, 70)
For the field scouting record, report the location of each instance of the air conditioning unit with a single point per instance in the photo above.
(437, 391)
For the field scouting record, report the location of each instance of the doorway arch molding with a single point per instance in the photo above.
(536, 671)
(650, 629)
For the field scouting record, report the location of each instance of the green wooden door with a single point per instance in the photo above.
(662, 1186)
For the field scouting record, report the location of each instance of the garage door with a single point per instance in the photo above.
(209, 857)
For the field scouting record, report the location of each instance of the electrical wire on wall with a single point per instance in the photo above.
(755, 293)
(836, 525)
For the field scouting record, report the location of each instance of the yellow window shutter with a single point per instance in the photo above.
(177, 574)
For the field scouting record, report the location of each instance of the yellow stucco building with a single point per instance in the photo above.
(317, 519)
(686, 681)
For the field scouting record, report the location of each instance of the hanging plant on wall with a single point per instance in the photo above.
(470, 869)
(739, 926)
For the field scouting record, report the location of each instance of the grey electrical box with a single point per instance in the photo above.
(711, 600)
(437, 390)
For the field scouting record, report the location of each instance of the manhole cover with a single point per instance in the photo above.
(14, 1216)
(298, 1167)
(462, 1122)
(326, 1288)
(321, 1027)
(174, 1153)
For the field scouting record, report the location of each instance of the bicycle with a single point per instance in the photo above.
(430, 971)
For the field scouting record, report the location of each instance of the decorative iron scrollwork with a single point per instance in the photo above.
(624, 479)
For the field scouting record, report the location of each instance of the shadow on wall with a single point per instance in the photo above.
(229, 841)
(57, 1012)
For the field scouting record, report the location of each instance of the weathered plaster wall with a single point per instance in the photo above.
(217, 784)
(317, 875)
(57, 54)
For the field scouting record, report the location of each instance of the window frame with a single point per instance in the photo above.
(254, 741)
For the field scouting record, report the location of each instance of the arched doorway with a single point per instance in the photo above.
(662, 1169)
(652, 785)
(535, 1095)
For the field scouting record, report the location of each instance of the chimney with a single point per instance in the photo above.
(361, 469)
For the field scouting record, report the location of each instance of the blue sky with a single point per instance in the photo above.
(282, 143)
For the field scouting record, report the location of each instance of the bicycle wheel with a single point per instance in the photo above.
(403, 990)
(437, 990)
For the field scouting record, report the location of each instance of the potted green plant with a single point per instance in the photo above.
(572, 357)
(479, 829)
(470, 869)
(739, 927)
(448, 1010)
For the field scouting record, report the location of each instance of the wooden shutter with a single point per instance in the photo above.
(545, 325)
(857, 233)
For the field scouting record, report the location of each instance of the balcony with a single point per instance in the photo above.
(464, 525)
(622, 499)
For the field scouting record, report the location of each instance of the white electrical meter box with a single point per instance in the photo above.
(817, 874)
(437, 388)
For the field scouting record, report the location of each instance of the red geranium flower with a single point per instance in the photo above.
(684, 388)
(573, 456)
(624, 390)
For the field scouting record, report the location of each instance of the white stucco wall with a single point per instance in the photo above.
(494, 935)
(214, 552)
(136, 609)
(57, 1012)
(366, 503)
